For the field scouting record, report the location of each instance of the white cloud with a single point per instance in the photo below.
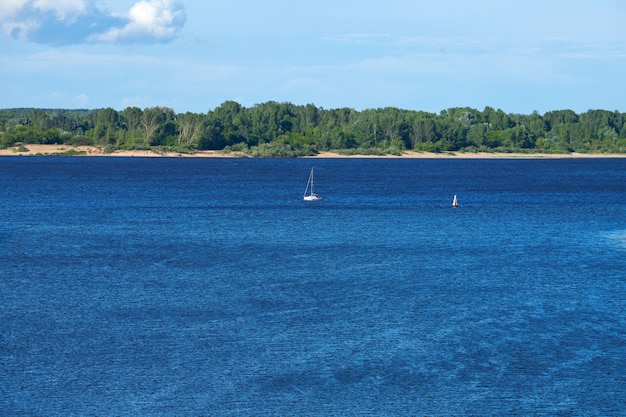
(148, 19)
(9, 7)
(64, 10)
(61, 22)
(20, 30)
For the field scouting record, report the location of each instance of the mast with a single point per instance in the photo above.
(311, 181)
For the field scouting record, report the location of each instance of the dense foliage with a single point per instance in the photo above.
(287, 130)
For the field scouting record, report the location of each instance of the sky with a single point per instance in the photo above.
(193, 55)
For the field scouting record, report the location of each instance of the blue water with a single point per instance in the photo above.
(206, 287)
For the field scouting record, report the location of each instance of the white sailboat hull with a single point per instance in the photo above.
(313, 197)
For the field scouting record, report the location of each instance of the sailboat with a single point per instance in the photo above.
(309, 194)
(454, 202)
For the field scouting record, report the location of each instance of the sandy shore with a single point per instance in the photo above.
(94, 151)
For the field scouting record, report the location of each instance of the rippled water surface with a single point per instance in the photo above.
(207, 287)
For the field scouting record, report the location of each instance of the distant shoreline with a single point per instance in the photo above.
(60, 150)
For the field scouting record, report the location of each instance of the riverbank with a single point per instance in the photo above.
(51, 150)
(60, 150)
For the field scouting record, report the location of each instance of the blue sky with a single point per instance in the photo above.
(192, 55)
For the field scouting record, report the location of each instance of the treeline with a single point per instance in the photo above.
(286, 130)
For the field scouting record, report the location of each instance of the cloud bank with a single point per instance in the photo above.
(62, 22)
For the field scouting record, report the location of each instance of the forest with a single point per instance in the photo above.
(275, 129)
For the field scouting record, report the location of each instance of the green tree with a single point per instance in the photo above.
(424, 131)
(232, 119)
(153, 120)
(190, 129)
(6, 140)
(497, 119)
(131, 118)
(212, 135)
(38, 118)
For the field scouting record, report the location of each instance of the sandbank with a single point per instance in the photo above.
(51, 150)
(95, 151)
